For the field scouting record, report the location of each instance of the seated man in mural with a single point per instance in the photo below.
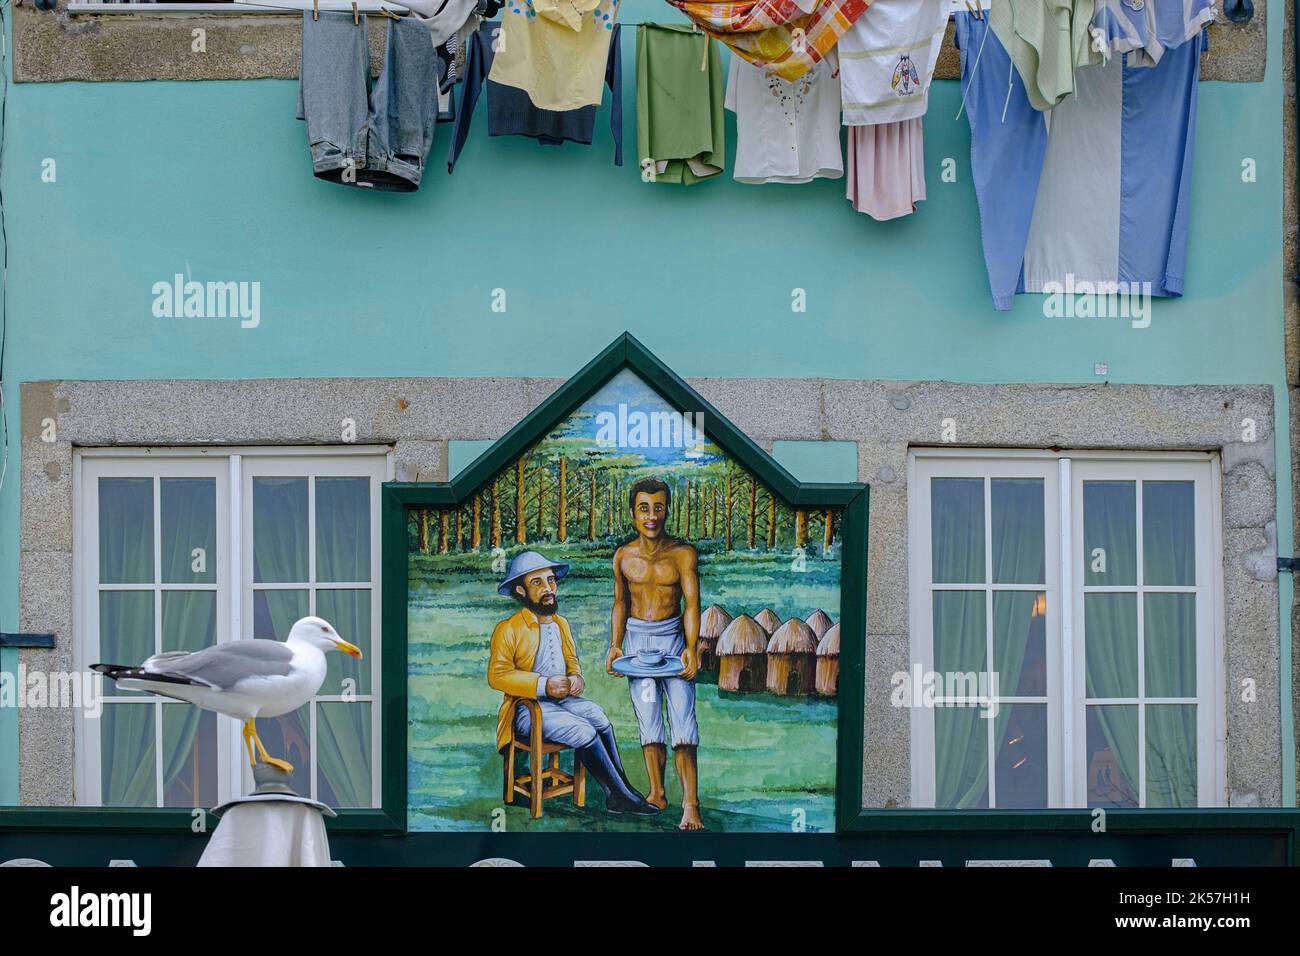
(657, 608)
(533, 655)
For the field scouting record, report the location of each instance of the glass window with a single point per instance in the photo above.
(312, 533)
(157, 591)
(989, 653)
(1141, 641)
(1132, 694)
(164, 577)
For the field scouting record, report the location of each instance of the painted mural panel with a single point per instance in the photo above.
(667, 620)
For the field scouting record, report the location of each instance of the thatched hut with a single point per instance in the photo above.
(792, 659)
(742, 656)
(828, 662)
(713, 622)
(820, 622)
(767, 620)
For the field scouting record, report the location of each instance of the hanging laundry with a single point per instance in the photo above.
(785, 132)
(1104, 198)
(1048, 40)
(451, 56)
(441, 18)
(512, 113)
(376, 140)
(886, 168)
(1146, 28)
(788, 37)
(560, 68)
(568, 13)
(680, 131)
(887, 60)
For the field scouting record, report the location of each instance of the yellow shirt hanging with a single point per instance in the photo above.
(555, 50)
(566, 12)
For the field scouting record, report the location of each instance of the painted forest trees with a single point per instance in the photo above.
(575, 495)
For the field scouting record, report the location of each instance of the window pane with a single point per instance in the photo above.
(288, 738)
(343, 754)
(1109, 532)
(1169, 625)
(349, 612)
(1018, 543)
(1112, 755)
(961, 758)
(126, 530)
(189, 740)
(126, 757)
(1171, 755)
(1020, 643)
(1110, 643)
(1168, 533)
(343, 529)
(1022, 755)
(125, 632)
(189, 620)
(959, 631)
(275, 612)
(957, 530)
(279, 530)
(188, 514)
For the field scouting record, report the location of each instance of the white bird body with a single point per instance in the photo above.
(241, 679)
(249, 697)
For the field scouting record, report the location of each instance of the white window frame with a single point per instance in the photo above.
(87, 727)
(1064, 473)
(233, 468)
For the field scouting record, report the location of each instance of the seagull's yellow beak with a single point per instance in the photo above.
(350, 649)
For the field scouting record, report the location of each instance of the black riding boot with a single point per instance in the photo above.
(619, 797)
(606, 737)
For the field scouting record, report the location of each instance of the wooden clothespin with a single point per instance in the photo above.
(355, 18)
(315, 9)
(975, 9)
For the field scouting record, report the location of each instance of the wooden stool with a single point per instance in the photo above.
(541, 782)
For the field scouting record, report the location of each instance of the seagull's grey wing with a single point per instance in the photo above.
(225, 665)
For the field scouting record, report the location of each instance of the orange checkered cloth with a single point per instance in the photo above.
(776, 34)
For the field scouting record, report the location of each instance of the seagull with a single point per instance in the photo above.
(242, 679)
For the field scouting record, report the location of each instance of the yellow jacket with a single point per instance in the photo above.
(510, 663)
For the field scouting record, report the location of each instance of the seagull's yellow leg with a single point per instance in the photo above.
(266, 757)
(249, 732)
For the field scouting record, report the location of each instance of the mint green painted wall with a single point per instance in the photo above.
(461, 454)
(818, 460)
(213, 179)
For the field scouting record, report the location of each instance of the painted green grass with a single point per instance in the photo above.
(763, 760)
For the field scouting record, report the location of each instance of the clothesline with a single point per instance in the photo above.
(379, 6)
(365, 6)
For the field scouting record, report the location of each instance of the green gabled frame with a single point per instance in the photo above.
(626, 352)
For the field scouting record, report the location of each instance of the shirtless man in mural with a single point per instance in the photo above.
(657, 607)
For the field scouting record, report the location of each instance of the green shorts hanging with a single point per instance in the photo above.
(680, 134)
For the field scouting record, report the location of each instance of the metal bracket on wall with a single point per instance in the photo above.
(1288, 564)
(26, 640)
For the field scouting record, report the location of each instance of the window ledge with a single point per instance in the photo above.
(123, 41)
